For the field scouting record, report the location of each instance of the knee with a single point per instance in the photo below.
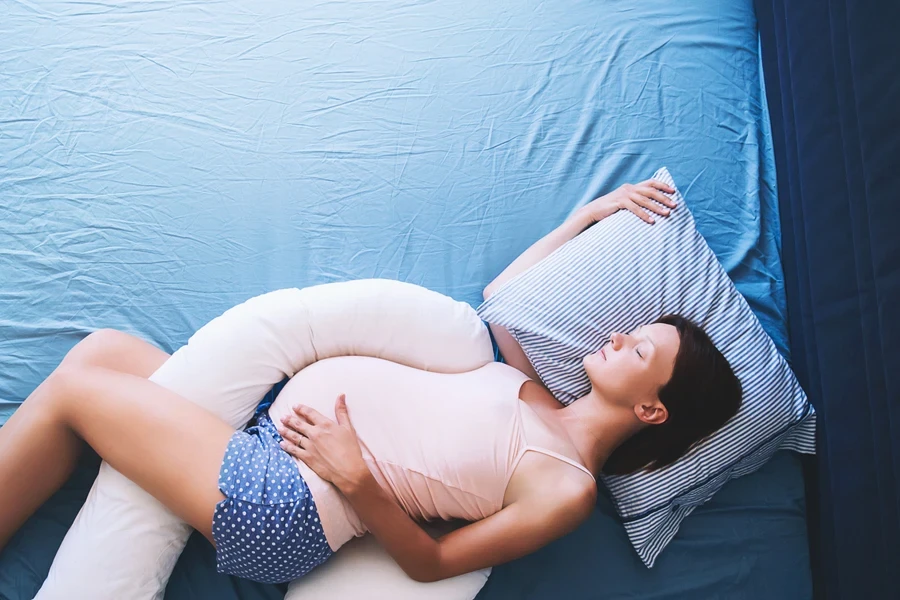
(63, 382)
(57, 389)
(92, 348)
(105, 335)
(70, 388)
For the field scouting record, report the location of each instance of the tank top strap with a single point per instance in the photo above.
(561, 457)
(519, 379)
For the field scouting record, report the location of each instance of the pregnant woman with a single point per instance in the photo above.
(377, 446)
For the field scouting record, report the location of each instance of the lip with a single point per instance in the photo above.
(603, 353)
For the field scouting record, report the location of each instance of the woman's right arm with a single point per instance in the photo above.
(636, 198)
(578, 222)
(510, 349)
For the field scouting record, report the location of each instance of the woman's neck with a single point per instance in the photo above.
(596, 428)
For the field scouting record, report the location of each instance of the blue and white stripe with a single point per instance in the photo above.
(620, 274)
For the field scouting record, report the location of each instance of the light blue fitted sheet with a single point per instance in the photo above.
(162, 161)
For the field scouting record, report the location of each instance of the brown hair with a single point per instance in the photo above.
(701, 396)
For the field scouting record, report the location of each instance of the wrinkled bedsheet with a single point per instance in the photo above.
(163, 161)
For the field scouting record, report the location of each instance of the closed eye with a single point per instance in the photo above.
(639, 353)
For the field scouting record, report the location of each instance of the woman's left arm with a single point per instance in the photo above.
(331, 449)
(516, 530)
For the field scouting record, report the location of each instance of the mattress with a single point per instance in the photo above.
(164, 161)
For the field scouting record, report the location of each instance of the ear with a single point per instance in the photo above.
(651, 412)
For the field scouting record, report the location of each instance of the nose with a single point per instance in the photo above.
(616, 339)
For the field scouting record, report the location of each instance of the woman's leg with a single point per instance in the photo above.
(116, 350)
(166, 444)
(23, 455)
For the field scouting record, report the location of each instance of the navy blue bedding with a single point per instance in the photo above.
(831, 73)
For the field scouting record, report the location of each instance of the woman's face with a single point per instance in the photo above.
(632, 367)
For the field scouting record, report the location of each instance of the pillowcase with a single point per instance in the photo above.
(124, 543)
(622, 273)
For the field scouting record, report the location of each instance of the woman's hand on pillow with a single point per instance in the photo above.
(641, 199)
(330, 448)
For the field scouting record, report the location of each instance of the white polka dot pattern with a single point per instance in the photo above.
(267, 529)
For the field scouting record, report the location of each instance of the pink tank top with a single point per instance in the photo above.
(444, 446)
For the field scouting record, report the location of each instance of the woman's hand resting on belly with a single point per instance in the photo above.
(547, 502)
(329, 448)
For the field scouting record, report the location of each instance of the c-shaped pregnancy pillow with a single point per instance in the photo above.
(124, 544)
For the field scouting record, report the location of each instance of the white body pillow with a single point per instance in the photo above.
(377, 577)
(124, 544)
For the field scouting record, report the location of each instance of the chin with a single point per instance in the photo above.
(589, 365)
(594, 367)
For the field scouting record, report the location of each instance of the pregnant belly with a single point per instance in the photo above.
(375, 390)
(440, 444)
(364, 380)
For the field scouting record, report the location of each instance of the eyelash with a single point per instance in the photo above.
(639, 353)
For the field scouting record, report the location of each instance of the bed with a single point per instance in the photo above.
(165, 161)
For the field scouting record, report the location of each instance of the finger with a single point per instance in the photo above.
(635, 207)
(641, 213)
(650, 205)
(341, 412)
(304, 455)
(292, 436)
(660, 186)
(650, 192)
(297, 424)
(295, 451)
(309, 413)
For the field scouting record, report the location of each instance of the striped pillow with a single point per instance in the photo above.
(622, 273)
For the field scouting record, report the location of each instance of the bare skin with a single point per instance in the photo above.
(100, 395)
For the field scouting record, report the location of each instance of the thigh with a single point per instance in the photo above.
(163, 442)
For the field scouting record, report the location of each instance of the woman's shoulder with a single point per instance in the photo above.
(573, 489)
(577, 497)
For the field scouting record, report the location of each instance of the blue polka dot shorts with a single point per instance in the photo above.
(267, 528)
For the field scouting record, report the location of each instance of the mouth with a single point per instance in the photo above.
(603, 354)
